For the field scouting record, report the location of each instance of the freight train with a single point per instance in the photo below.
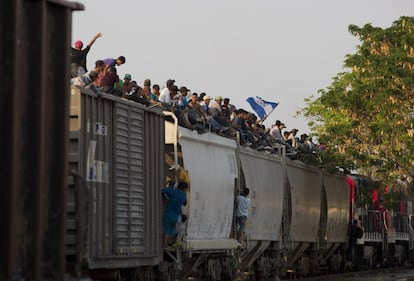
(121, 153)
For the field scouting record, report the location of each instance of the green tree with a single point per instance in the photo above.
(366, 116)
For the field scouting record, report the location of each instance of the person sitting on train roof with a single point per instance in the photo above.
(100, 67)
(155, 93)
(149, 95)
(215, 106)
(212, 122)
(165, 95)
(111, 62)
(196, 112)
(78, 55)
(239, 124)
(190, 119)
(195, 105)
(176, 198)
(217, 113)
(276, 132)
(228, 109)
(181, 97)
(136, 95)
(201, 96)
(286, 137)
(205, 103)
(128, 85)
(86, 80)
(258, 131)
(109, 83)
(306, 145)
(293, 139)
(174, 94)
(146, 91)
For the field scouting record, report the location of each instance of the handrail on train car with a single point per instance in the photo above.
(238, 183)
(172, 115)
(410, 233)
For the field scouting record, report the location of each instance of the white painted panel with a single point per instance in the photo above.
(337, 195)
(306, 184)
(211, 244)
(170, 132)
(264, 178)
(212, 167)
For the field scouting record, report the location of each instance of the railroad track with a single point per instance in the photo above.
(382, 274)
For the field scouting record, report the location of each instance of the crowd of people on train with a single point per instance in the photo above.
(194, 111)
(199, 112)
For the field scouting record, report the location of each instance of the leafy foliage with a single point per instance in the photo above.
(366, 116)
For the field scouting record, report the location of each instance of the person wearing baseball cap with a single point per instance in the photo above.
(78, 55)
(127, 77)
(167, 92)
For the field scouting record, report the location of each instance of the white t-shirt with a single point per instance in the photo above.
(165, 96)
(215, 108)
(275, 132)
(243, 204)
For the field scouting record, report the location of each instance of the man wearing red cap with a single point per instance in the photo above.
(78, 56)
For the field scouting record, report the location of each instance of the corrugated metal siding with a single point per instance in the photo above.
(337, 196)
(120, 151)
(34, 99)
(129, 180)
(96, 164)
(306, 184)
(154, 180)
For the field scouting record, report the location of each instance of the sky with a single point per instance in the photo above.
(282, 51)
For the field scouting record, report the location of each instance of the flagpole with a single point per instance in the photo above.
(267, 115)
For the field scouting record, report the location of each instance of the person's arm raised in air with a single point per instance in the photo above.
(94, 39)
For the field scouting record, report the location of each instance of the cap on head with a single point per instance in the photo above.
(184, 89)
(175, 88)
(78, 44)
(147, 82)
(127, 76)
(170, 82)
(218, 98)
(206, 98)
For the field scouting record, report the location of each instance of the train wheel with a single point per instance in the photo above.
(213, 269)
(139, 274)
(168, 271)
(228, 268)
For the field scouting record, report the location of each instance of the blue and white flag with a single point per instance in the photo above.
(263, 108)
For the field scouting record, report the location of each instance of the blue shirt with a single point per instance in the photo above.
(177, 198)
(110, 62)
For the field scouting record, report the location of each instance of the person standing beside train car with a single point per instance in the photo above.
(355, 232)
(242, 212)
(176, 198)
